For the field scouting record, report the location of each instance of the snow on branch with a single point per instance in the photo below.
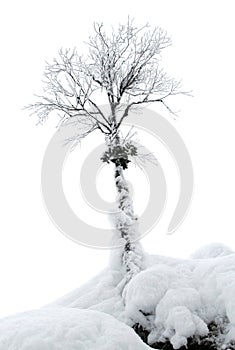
(123, 65)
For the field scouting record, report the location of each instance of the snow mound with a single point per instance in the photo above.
(64, 328)
(171, 299)
(101, 293)
(176, 301)
(212, 250)
(177, 317)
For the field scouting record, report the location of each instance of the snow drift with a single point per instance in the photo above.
(64, 328)
(173, 300)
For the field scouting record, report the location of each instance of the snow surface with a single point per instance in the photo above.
(212, 250)
(180, 297)
(64, 328)
(101, 294)
(174, 299)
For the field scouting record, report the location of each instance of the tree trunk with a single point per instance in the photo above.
(132, 257)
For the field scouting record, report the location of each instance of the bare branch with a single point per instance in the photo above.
(123, 65)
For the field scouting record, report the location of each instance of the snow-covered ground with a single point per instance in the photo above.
(173, 299)
(66, 329)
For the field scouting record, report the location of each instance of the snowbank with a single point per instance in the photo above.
(177, 299)
(172, 299)
(101, 293)
(64, 328)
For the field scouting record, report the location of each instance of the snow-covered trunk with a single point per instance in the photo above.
(132, 256)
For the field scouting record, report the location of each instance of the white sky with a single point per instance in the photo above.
(37, 263)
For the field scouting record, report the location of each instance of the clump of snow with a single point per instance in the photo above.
(175, 301)
(145, 290)
(212, 250)
(64, 328)
(177, 317)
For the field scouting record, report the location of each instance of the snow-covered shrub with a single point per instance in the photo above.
(177, 317)
(144, 292)
(177, 300)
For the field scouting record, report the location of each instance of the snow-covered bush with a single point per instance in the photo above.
(177, 300)
(177, 317)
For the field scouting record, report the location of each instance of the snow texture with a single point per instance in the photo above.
(212, 250)
(101, 294)
(173, 299)
(177, 299)
(64, 328)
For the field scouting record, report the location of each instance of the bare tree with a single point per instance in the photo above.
(123, 66)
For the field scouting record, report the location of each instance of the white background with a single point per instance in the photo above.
(37, 263)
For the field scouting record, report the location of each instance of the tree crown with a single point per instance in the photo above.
(124, 65)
